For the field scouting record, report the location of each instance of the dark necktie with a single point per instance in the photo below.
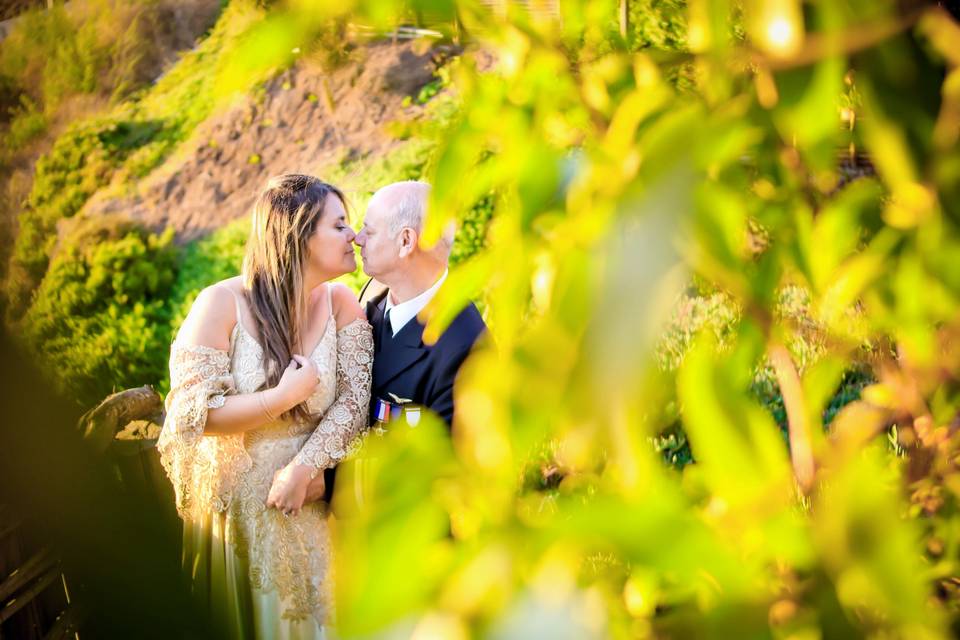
(386, 330)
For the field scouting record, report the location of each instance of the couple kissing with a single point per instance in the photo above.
(274, 376)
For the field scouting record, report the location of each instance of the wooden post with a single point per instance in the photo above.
(624, 17)
(101, 424)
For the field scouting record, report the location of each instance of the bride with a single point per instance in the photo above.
(270, 384)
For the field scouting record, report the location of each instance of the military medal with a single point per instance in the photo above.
(385, 412)
(413, 416)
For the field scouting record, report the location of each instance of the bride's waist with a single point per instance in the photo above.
(276, 437)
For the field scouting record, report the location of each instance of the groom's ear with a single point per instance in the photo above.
(408, 241)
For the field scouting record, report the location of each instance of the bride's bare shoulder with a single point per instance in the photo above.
(233, 285)
(346, 309)
(212, 316)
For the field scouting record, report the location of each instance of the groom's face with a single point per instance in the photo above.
(378, 250)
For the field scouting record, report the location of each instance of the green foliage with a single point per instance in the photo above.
(78, 164)
(26, 123)
(472, 230)
(100, 321)
(52, 55)
(614, 190)
(658, 24)
(692, 316)
(810, 372)
(98, 47)
(119, 148)
(206, 261)
(428, 91)
(360, 176)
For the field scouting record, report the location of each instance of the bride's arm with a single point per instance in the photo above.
(200, 373)
(346, 418)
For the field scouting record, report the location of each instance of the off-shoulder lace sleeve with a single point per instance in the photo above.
(199, 380)
(346, 418)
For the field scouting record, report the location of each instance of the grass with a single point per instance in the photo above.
(112, 152)
(119, 148)
(86, 47)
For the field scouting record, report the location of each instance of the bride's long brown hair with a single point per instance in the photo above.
(285, 215)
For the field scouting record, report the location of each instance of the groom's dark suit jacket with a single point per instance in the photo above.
(404, 366)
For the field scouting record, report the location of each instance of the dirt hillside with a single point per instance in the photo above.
(305, 119)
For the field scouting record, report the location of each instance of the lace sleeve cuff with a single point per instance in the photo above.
(200, 380)
(346, 418)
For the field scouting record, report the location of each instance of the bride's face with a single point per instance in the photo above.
(330, 248)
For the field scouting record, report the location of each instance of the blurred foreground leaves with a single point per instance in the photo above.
(625, 187)
(617, 189)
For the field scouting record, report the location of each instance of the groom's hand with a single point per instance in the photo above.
(316, 489)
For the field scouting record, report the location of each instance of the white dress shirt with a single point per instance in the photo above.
(401, 314)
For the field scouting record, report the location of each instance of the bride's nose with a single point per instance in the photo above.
(351, 234)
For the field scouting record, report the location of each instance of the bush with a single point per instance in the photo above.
(206, 261)
(834, 536)
(80, 162)
(658, 24)
(472, 231)
(119, 147)
(704, 311)
(50, 55)
(26, 123)
(93, 46)
(101, 319)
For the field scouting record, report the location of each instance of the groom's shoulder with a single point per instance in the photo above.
(465, 328)
(371, 303)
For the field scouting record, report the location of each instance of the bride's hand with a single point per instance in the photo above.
(289, 488)
(298, 381)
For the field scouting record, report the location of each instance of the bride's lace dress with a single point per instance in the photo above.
(261, 573)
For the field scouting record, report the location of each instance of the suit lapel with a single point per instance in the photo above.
(397, 354)
(375, 313)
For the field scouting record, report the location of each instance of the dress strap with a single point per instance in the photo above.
(239, 325)
(236, 304)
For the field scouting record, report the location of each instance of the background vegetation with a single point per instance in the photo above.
(684, 252)
(108, 154)
(715, 254)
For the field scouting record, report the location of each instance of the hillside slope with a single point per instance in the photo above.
(302, 120)
(107, 286)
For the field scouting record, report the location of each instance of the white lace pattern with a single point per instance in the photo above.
(231, 475)
(342, 425)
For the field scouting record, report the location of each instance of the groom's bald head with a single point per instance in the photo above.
(389, 239)
(404, 205)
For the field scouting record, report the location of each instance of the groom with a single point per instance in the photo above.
(408, 375)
